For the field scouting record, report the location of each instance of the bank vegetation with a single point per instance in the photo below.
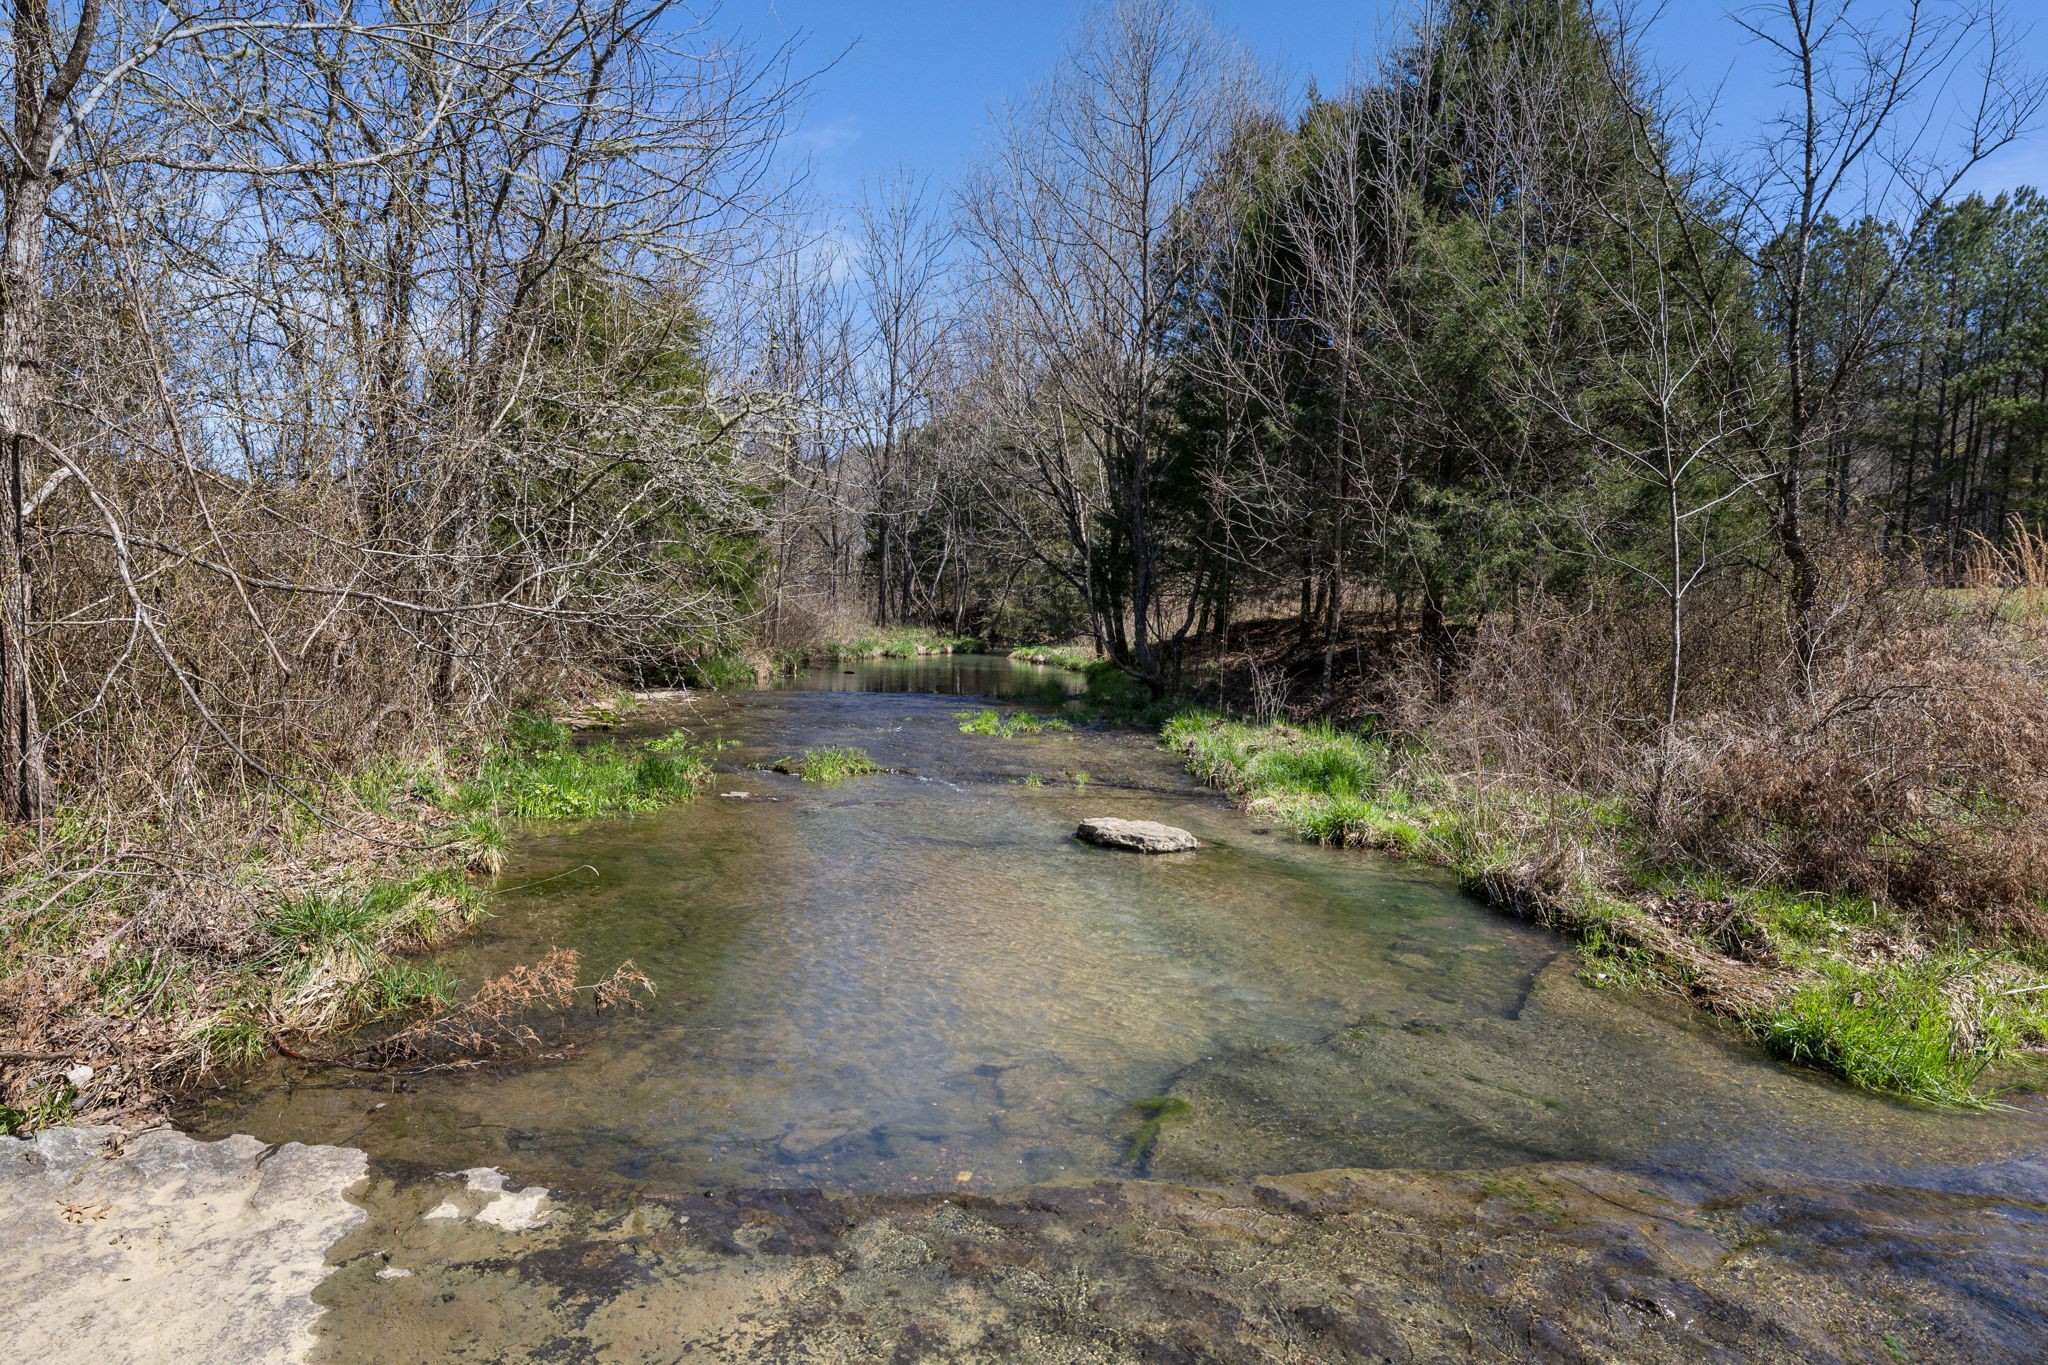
(365, 380)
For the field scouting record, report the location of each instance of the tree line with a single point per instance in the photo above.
(359, 374)
(1495, 326)
(364, 371)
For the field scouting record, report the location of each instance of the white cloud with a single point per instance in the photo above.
(827, 137)
(2023, 163)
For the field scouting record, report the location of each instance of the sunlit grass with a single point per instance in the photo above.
(989, 721)
(896, 642)
(1055, 656)
(1928, 1028)
(1932, 1022)
(539, 773)
(828, 765)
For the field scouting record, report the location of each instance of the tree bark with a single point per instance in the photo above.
(25, 795)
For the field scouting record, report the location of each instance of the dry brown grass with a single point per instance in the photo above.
(1909, 763)
(503, 1015)
(136, 952)
(2014, 571)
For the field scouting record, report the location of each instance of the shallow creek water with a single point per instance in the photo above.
(920, 981)
(885, 1104)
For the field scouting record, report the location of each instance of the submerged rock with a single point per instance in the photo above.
(1554, 1261)
(1139, 836)
(510, 1210)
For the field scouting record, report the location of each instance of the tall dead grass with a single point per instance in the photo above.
(1909, 763)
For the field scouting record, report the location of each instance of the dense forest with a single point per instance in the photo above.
(369, 376)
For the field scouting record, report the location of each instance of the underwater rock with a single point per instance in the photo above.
(818, 1138)
(511, 1210)
(1139, 836)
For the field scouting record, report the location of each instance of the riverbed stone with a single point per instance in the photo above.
(1138, 836)
(158, 1247)
(1551, 1261)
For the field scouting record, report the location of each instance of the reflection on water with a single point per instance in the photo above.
(920, 981)
(949, 675)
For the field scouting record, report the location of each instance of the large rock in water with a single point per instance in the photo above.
(1139, 836)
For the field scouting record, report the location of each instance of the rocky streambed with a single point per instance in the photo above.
(159, 1248)
(153, 1246)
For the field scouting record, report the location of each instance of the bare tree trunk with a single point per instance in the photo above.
(26, 794)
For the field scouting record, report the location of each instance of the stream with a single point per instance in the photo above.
(918, 984)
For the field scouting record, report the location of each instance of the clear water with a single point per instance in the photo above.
(919, 980)
(946, 675)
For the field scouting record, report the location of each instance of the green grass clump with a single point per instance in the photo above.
(538, 773)
(720, 673)
(1332, 786)
(989, 721)
(829, 765)
(1926, 1028)
(48, 1104)
(896, 642)
(233, 1037)
(1056, 656)
(382, 784)
(391, 989)
(422, 908)
(1155, 1113)
(911, 644)
(327, 920)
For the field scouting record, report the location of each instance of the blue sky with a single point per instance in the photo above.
(918, 77)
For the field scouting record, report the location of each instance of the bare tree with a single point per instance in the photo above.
(375, 338)
(900, 265)
(1888, 111)
(1073, 223)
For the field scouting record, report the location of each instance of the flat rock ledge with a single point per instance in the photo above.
(158, 1247)
(1139, 836)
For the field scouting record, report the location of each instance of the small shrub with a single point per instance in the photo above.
(989, 721)
(828, 765)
